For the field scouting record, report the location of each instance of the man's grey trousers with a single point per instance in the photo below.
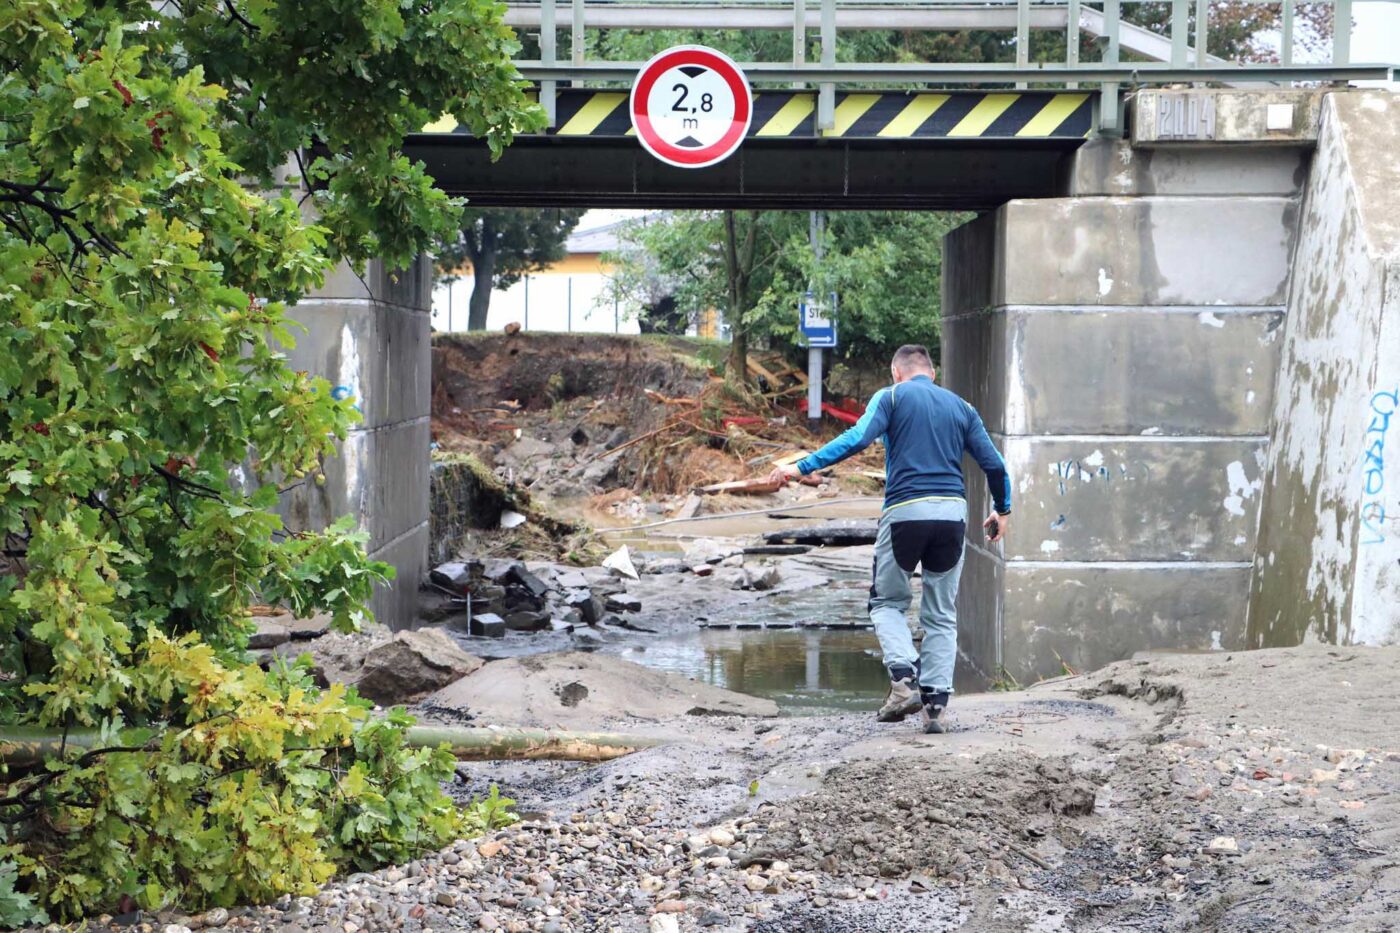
(928, 533)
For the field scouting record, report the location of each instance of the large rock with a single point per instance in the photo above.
(578, 688)
(412, 665)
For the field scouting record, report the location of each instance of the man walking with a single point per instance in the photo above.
(926, 429)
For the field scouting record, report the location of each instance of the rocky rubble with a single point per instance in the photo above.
(488, 597)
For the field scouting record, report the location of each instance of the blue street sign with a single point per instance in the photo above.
(817, 320)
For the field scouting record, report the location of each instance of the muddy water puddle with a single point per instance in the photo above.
(804, 670)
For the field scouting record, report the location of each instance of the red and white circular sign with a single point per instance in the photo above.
(691, 106)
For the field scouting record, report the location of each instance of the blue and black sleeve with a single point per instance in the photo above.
(873, 424)
(991, 462)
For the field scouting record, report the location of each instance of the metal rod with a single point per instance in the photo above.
(816, 229)
(1072, 38)
(799, 35)
(1286, 51)
(1180, 32)
(1202, 32)
(576, 36)
(1108, 95)
(976, 73)
(826, 95)
(1023, 35)
(1341, 32)
(547, 57)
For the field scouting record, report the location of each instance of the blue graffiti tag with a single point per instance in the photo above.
(1383, 407)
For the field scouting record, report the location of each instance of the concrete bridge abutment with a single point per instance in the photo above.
(1139, 347)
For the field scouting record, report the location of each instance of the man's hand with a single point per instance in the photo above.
(781, 474)
(996, 526)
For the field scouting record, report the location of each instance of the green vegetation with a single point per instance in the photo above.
(885, 266)
(148, 422)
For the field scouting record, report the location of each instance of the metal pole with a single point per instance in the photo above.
(1072, 39)
(1180, 12)
(527, 301)
(816, 227)
(799, 36)
(826, 94)
(576, 37)
(1341, 32)
(1286, 52)
(1202, 32)
(1108, 101)
(1023, 36)
(547, 56)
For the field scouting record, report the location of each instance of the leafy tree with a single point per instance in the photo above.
(502, 245)
(885, 266)
(148, 421)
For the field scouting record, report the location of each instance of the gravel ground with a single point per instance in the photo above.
(1249, 792)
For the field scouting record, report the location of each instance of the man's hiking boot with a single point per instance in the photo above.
(902, 699)
(934, 704)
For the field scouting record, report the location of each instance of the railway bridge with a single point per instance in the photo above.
(1173, 307)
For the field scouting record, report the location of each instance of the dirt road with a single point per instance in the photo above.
(1225, 792)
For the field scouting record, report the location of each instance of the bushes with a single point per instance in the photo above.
(148, 422)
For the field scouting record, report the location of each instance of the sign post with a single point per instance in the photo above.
(691, 106)
(817, 322)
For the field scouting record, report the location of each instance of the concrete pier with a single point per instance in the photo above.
(1122, 344)
(370, 337)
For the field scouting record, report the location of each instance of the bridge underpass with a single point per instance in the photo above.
(1124, 312)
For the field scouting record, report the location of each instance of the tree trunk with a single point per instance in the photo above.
(483, 280)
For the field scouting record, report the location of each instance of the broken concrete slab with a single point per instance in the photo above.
(487, 625)
(623, 603)
(840, 533)
(599, 688)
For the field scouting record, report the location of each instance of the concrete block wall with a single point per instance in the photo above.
(1121, 344)
(1328, 563)
(370, 337)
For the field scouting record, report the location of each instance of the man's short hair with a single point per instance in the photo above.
(912, 356)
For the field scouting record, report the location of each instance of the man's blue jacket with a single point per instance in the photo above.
(926, 429)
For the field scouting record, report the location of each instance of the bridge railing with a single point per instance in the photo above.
(1180, 56)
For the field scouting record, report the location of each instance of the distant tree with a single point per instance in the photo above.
(502, 245)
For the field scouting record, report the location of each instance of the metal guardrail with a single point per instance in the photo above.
(1182, 52)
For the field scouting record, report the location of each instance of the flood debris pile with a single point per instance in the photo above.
(622, 429)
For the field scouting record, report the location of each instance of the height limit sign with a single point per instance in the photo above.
(691, 106)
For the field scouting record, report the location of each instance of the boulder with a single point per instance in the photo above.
(498, 569)
(524, 578)
(667, 565)
(412, 665)
(455, 575)
(527, 620)
(589, 608)
(708, 551)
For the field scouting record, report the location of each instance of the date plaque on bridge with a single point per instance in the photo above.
(691, 106)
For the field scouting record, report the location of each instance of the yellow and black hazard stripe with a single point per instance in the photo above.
(858, 115)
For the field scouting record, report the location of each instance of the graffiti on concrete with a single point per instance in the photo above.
(342, 392)
(1383, 407)
(1091, 469)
